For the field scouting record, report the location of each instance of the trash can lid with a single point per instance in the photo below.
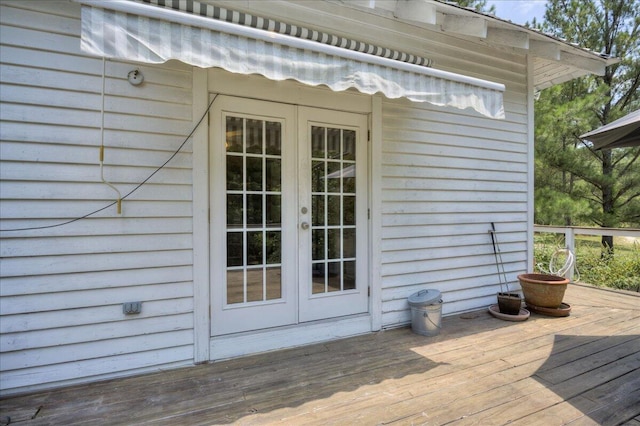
(424, 297)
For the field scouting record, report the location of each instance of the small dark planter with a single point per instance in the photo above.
(509, 303)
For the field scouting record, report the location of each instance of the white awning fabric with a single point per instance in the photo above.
(152, 34)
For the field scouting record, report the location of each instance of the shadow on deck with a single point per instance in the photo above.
(479, 370)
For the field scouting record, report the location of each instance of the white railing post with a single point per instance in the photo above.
(570, 242)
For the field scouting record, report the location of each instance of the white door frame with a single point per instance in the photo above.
(221, 82)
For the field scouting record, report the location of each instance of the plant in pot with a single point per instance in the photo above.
(543, 290)
(508, 303)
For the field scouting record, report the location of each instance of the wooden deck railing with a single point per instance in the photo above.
(570, 233)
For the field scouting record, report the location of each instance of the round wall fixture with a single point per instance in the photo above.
(135, 77)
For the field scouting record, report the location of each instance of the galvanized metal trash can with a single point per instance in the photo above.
(426, 312)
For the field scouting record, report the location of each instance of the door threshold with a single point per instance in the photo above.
(249, 343)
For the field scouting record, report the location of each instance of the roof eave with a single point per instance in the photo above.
(558, 60)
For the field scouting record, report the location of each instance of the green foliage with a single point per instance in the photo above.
(576, 185)
(620, 270)
(479, 5)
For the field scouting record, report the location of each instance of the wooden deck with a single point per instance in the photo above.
(583, 369)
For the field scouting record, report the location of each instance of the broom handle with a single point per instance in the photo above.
(498, 254)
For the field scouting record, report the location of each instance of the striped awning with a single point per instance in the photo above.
(207, 36)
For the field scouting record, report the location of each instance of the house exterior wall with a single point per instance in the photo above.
(441, 177)
(445, 177)
(61, 316)
(445, 174)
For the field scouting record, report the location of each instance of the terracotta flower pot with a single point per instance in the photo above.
(543, 290)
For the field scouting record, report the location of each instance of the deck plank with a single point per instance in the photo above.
(581, 370)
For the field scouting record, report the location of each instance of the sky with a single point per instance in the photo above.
(519, 11)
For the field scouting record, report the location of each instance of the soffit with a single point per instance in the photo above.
(554, 60)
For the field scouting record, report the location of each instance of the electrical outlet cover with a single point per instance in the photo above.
(130, 308)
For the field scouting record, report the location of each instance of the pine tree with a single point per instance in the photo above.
(578, 184)
(479, 5)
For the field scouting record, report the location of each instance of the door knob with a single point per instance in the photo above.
(304, 225)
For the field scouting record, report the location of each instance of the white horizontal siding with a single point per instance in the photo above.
(25, 285)
(137, 362)
(62, 291)
(446, 175)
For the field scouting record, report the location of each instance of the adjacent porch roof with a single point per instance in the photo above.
(623, 132)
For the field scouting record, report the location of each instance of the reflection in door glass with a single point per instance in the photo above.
(235, 179)
(234, 210)
(254, 209)
(254, 285)
(235, 286)
(274, 282)
(273, 137)
(273, 177)
(349, 152)
(333, 204)
(254, 136)
(254, 174)
(234, 134)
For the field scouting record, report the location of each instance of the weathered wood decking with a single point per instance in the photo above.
(582, 369)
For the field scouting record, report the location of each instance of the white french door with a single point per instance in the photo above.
(332, 191)
(288, 215)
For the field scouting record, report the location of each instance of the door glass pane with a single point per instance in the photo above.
(349, 139)
(317, 244)
(254, 285)
(333, 201)
(274, 210)
(334, 278)
(254, 210)
(254, 174)
(334, 176)
(273, 246)
(254, 136)
(349, 243)
(317, 142)
(349, 179)
(318, 278)
(274, 283)
(273, 172)
(333, 207)
(235, 177)
(317, 210)
(348, 210)
(333, 243)
(349, 275)
(317, 176)
(234, 134)
(273, 138)
(234, 249)
(333, 143)
(254, 248)
(234, 211)
(235, 286)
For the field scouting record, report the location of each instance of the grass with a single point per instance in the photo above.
(619, 269)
